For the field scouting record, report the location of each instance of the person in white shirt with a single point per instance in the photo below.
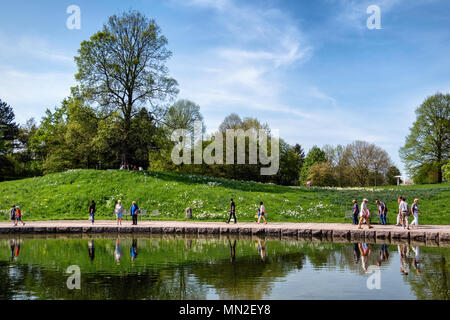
(403, 212)
(262, 213)
(364, 214)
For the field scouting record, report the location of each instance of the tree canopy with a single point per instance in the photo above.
(427, 147)
(123, 68)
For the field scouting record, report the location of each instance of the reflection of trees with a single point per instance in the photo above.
(179, 269)
(433, 282)
(247, 278)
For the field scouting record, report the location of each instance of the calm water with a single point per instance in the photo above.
(164, 268)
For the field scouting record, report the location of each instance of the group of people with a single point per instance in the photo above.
(130, 167)
(261, 213)
(119, 210)
(15, 215)
(404, 211)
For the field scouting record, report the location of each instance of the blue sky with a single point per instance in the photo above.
(311, 69)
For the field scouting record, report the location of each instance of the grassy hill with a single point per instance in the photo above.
(67, 196)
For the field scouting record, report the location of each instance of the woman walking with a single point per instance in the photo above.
(119, 212)
(92, 211)
(364, 214)
(415, 212)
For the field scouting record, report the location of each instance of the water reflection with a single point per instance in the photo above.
(91, 249)
(227, 268)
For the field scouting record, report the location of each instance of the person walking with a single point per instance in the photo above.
(232, 211)
(355, 211)
(119, 212)
(134, 212)
(12, 215)
(262, 213)
(364, 214)
(92, 211)
(382, 210)
(403, 210)
(19, 216)
(415, 212)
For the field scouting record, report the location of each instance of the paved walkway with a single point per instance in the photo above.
(429, 235)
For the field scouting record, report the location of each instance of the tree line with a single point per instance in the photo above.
(124, 109)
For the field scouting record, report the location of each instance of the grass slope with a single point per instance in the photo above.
(67, 196)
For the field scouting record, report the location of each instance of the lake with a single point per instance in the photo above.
(162, 267)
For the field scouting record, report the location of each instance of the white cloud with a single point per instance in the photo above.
(32, 49)
(28, 93)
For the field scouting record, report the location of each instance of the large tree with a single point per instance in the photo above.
(428, 144)
(123, 67)
(9, 130)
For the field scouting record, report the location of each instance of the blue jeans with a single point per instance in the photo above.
(383, 218)
(355, 218)
(92, 215)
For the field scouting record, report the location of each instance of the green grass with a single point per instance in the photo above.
(67, 196)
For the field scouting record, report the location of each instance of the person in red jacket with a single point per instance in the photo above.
(19, 216)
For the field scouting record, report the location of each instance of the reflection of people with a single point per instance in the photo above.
(91, 250)
(118, 251)
(356, 253)
(403, 251)
(384, 254)
(12, 246)
(262, 249)
(232, 250)
(364, 249)
(134, 250)
(416, 259)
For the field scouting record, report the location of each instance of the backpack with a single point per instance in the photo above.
(408, 213)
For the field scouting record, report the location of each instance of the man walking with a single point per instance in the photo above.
(403, 211)
(382, 210)
(232, 211)
(355, 211)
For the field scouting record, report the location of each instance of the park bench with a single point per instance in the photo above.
(348, 215)
(142, 213)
